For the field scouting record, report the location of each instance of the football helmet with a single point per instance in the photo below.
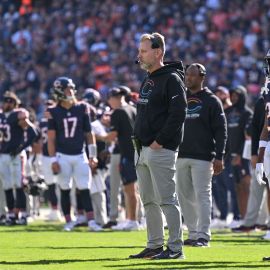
(92, 96)
(59, 87)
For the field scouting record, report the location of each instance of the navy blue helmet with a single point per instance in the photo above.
(59, 86)
(92, 96)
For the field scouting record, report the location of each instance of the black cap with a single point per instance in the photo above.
(115, 92)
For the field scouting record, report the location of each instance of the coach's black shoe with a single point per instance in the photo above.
(189, 242)
(201, 242)
(243, 228)
(147, 253)
(109, 224)
(266, 258)
(169, 254)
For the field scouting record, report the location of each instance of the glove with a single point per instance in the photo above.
(259, 173)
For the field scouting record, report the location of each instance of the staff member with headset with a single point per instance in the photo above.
(200, 155)
(161, 111)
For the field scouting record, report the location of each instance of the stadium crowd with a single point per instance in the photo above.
(96, 44)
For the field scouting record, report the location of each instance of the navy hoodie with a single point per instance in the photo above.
(161, 107)
(205, 127)
(239, 118)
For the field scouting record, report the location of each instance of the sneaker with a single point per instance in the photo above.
(261, 227)
(147, 253)
(169, 254)
(120, 226)
(131, 225)
(93, 226)
(69, 226)
(266, 236)
(235, 223)
(109, 224)
(21, 221)
(201, 242)
(11, 221)
(266, 258)
(54, 215)
(218, 224)
(243, 228)
(81, 220)
(189, 242)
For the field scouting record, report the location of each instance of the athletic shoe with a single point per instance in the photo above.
(243, 228)
(266, 236)
(147, 253)
(201, 242)
(189, 242)
(93, 226)
(266, 258)
(21, 221)
(120, 226)
(218, 224)
(261, 227)
(235, 224)
(69, 226)
(109, 224)
(81, 220)
(11, 221)
(131, 225)
(54, 215)
(169, 254)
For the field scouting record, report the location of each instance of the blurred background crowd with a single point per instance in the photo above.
(95, 42)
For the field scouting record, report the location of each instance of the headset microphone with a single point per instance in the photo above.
(137, 62)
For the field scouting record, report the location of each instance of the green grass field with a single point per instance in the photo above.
(44, 246)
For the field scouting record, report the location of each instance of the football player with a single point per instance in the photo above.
(14, 123)
(69, 128)
(49, 177)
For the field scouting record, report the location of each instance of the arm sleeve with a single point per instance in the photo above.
(219, 128)
(177, 109)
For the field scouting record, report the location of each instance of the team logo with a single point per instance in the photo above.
(194, 107)
(146, 92)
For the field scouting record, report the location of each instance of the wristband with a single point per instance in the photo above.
(54, 159)
(262, 143)
(92, 149)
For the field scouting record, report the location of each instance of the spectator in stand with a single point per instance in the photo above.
(95, 42)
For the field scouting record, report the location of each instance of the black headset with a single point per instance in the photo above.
(201, 68)
(155, 42)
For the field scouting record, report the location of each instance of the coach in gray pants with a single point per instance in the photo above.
(161, 111)
(200, 155)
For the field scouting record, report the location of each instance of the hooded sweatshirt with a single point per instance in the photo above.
(205, 127)
(161, 107)
(239, 118)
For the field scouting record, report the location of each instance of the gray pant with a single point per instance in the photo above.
(115, 180)
(195, 195)
(99, 207)
(2, 200)
(255, 199)
(156, 172)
